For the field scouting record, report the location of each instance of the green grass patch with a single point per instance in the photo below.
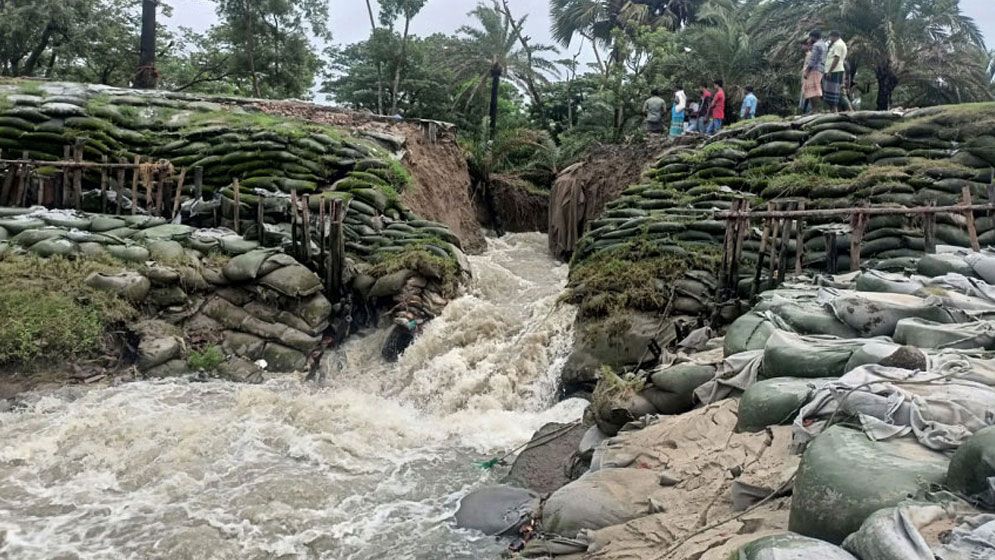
(31, 88)
(48, 312)
(418, 257)
(758, 120)
(207, 359)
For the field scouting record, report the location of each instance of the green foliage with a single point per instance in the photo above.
(418, 258)
(208, 359)
(47, 311)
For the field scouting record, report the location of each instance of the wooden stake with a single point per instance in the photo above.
(160, 187)
(67, 154)
(198, 182)
(103, 186)
(764, 239)
(800, 240)
(972, 230)
(134, 185)
(179, 193)
(293, 224)
(259, 222)
(774, 257)
(77, 176)
(858, 223)
(238, 203)
(119, 188)
(306, 220)
(322, 265)
(929, 231)
(832, 255)
(782, 249)
(8, 184)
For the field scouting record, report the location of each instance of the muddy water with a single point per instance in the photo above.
(371, 463)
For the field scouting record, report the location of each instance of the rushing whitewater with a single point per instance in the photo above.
(369, 463)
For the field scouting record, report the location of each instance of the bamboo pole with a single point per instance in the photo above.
(760, 255)
(8, 184)
(972, 230)
(77, 176)
(800, 240)
(293, 223)
(119, 188)
(846, 212)
(134, 186)
(858, 223)
(238, 203)
(322, 264)
(929, 231)
(306, 220)
(67, 154)
(179, 193)
(198, 182)
(260, 232)
(103, 186)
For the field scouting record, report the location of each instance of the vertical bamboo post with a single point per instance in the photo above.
(8, 184)
(78, 175)
(322, 264)
(774, 243)
(260, 231)
(728, 251)
(972, 230)
(103, 184)
(800, 240)
(119, 187)
(764, 239)
(293, 224)
(858, 223)
(159, 184)
(198, 182)
(22, 180)
(742, 229)
(67, 157)
(237, 191)
(178, 194)
(306, 220)
(336, 250)
(832, 255)
(929, 230)
(782, 249)
(134, 185)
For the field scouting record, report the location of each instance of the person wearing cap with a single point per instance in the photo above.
(814, 70)
(835, 71)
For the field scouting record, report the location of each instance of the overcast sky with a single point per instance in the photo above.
(350, 22)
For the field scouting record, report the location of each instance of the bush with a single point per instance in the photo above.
(207, 359)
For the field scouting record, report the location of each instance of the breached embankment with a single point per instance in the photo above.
(845, 416)
(204, 283)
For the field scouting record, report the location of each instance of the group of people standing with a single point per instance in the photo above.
(824, 75)
(704, 115)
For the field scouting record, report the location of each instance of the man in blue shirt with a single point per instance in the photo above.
(749, 108)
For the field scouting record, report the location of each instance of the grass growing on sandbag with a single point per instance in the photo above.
(417, 257)
(47, 311)
(636, 276)
(207, 359)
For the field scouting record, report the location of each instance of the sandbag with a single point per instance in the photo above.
(292, 281)
(922, 333)
(773, 402)
(749, 332)
(972, 467)
(672, 389)
(790, 546)
(900, 533)
(941, 264)
(875, 314)
(792, 355)
(496, 510)
(602, 498)
(830, 502)
(812, 318)
(129, 285)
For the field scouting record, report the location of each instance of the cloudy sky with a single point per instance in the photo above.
(350, 22)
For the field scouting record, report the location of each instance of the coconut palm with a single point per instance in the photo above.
(492, 52)
(920, 43)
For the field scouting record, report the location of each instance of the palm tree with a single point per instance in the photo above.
(492, 53)
(905, 42)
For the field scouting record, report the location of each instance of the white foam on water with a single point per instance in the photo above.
(370, 465)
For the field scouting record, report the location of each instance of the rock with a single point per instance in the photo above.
(542, 465)
(496, 510)
(129, 285)
(283, 359)
(609, 343)
(390, 284)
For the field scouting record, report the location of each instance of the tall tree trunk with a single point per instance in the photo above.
(46, 36)
(252, 48)
(373, 26)
(400, 64)
(887, 82)
(147, 77)
(496, 72)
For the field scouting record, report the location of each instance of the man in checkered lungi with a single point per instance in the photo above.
(832, 87)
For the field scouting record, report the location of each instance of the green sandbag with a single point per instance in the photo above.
(678, 383)
(29, 237)
(372, 197)
(16, 225)
(830, 137)
(797, 136)
(886, 153)
(774, 149)
(875, 314)
(940, 264)
(793, 355)
(4, 236)
(165, 250)
(237, 245)
(812, 318)
(101, 224)
(748, 332)
(54, 246)
(175, 232)
(852, 128)
(847, 157)
(790, 546)
(929, 334)
(844, 477)
(972, 467)
(773, 402)
(129, 253)
(292, 281)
